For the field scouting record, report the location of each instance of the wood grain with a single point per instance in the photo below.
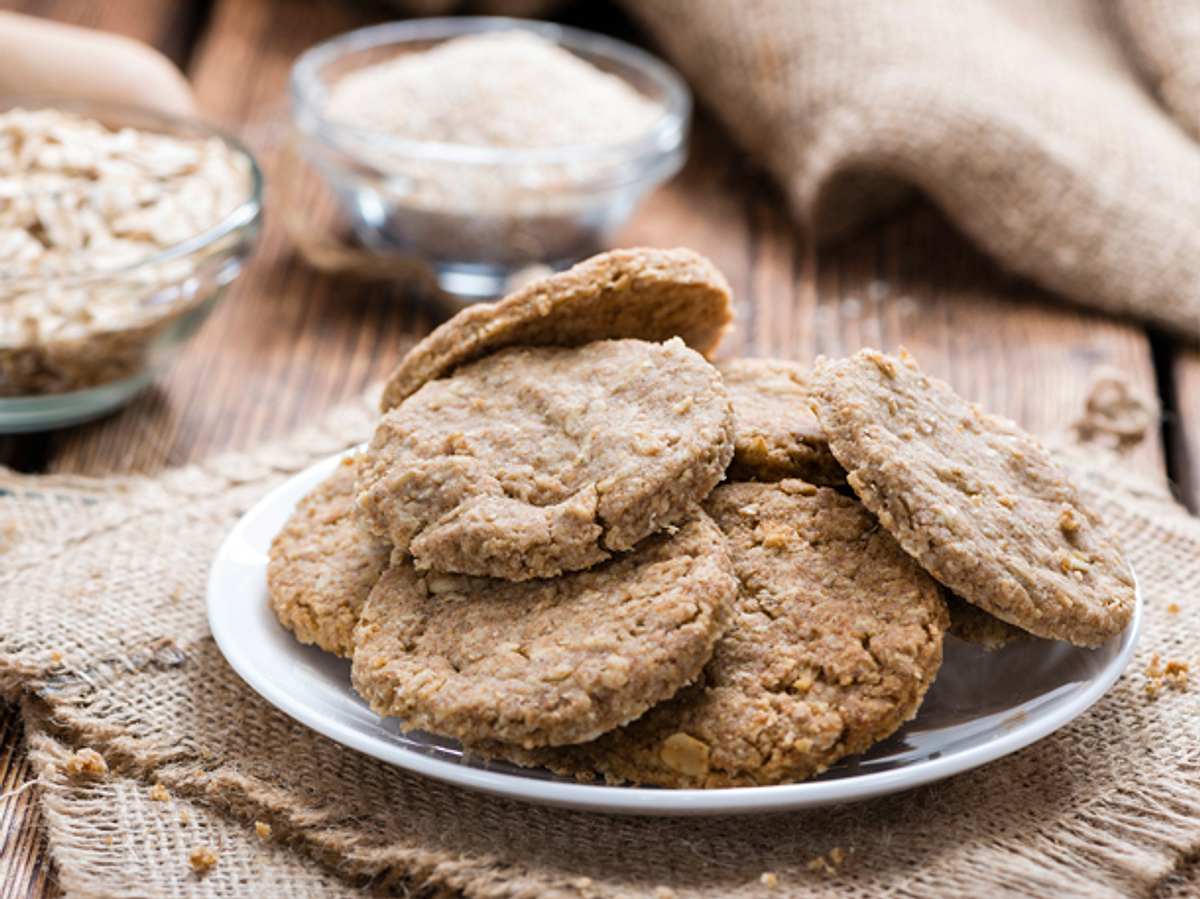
(25, 869)
(1184, 426)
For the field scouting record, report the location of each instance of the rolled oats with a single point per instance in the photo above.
(81, 205)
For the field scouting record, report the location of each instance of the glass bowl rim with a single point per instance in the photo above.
(662, 138)
(241, 216)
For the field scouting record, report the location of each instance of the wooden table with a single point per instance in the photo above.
(288, 343)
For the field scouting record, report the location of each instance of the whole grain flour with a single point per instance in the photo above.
(510, 88)
(1105, 807)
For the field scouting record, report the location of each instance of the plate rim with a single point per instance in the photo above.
(631, 799)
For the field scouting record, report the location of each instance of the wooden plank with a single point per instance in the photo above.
(25, 869)
(1183, 423)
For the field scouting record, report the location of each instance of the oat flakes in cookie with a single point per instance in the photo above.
(776, 435)
(323, 564)
(536, 461)
(975, 499)
(544, 662)
(834, 638)
(648, 294)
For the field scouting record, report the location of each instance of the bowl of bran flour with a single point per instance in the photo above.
(485, 147)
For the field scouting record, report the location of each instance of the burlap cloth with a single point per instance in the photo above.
(103, 640)
(1024, 120)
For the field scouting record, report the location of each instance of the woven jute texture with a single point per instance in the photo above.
(103, 640)
(1027, 121)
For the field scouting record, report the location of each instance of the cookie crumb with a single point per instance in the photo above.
(1173, 675)
(1173, 608)
(159, 793)
(56, 657)
(263, 829)
(1067, 522)
(776, 539)
(827, 864)
(202, 859)
(769, 879)
(86, 763)
(1176, 675)
(184, 818)
(108, 840)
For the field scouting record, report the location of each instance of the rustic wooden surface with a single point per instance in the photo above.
(288, 343)
(1182, 374)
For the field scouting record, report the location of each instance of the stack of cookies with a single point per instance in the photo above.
(575, 543)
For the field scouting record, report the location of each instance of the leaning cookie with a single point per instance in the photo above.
(536, 461)
(975, 499)
(545, 662)
(776, 435)
(649, 294)
(835, 637)
(323, 564)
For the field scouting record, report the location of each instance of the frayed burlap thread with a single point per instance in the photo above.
(1026, 121)
(114, 832)
(103, 640)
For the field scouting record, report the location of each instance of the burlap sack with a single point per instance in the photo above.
(1025, 120)
(1165, 38)
(104, 641)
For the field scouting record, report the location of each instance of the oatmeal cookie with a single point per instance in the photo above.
(975, 499)
(649, 294)
(323, 565)
(776, 436)
(835, 636)
(536, 461)
(545, 662)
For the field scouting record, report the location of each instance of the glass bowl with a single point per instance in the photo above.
(128, 321)
(439, 202)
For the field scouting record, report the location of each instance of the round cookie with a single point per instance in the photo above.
(546, 662)
(834, 639)
(323, 564)
(536, 461)
(975, 499)
(776, 436)
(649, 294)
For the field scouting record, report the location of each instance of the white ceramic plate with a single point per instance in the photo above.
(982, 706)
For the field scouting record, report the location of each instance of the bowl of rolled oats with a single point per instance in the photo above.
(120, 228)
(487, 147)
